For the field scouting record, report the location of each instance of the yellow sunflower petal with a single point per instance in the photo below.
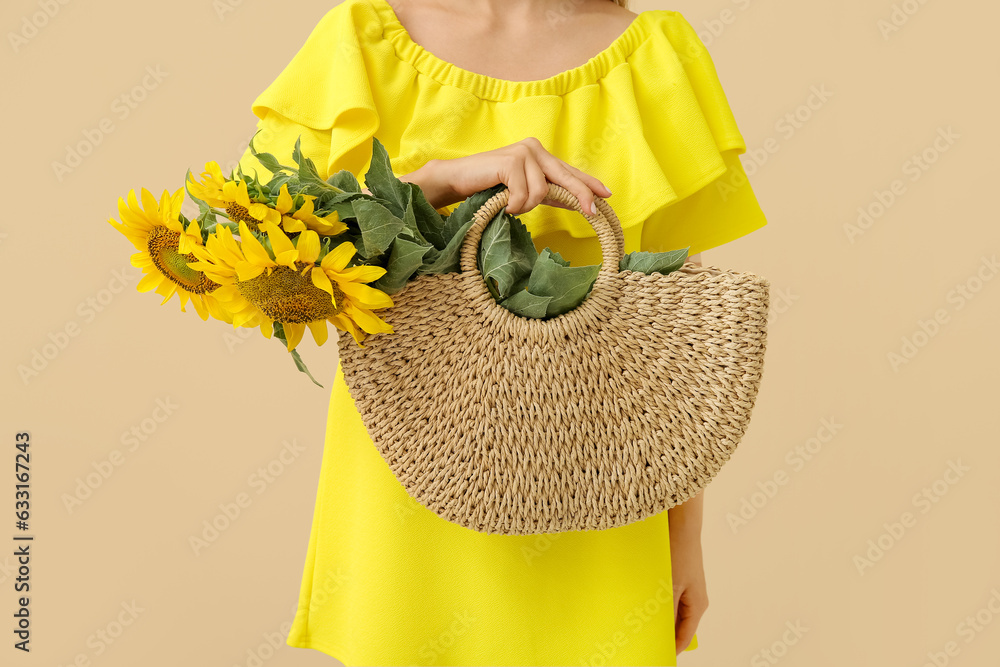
(369, 297)
(150, 281)
(293, 225)
(244, 317)
(322, 281)
(284, 203)
(252, 248)
(287, 258)
(169, 288)
(279, 242)
(338, 258)
(199, 305)
(368, 320)
(148, 201)
(242, 194)
(345, 323)
(293, 334)
(319, 331)
(361, 274)
(141, 259)
(176, 201)
(246, 271)
(267, 328)
(215, 171)
(308, 246)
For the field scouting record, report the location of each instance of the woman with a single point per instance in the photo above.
(466, 94)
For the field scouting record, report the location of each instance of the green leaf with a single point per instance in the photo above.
(406, 257)
(279, 334)
(526, 304)
(456, 226)
(503, 253)
(448, 260)
(567, 285)
(383, 183)
(266, 159)
(345, 180)
(410, 221)
(378, 226)
(430, 223)
(654, 262)
(308, 175)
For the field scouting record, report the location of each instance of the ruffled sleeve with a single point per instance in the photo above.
(325, 95)
(647, 116)
(704, 198)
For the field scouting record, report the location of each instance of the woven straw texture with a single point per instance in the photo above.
(612, 412)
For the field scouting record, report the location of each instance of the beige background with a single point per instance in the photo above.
(842, 305)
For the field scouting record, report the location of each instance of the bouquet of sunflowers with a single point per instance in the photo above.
(299, 251)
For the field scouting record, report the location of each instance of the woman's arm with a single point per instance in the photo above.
(687, 568)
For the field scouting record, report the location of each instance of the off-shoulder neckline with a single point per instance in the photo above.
(487, 87)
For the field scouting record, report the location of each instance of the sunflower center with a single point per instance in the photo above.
(289, 297)
(237, 212)
(162, 244)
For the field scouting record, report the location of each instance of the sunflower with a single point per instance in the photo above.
(165, 248)
(303, 218)
(289, 287)
(233, 196)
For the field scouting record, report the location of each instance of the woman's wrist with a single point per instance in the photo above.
(433, 183)
(686, 519)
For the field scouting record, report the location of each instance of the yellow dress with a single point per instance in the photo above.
(386, 581)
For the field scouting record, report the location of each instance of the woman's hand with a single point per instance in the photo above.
(524, 167)
(687, 569)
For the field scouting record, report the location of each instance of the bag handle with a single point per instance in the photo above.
(609, 230)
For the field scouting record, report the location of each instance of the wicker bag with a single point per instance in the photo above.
(617, 410)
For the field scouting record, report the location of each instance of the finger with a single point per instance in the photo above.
(559, 172)
(538, 187)
(516, 184)
(684, 632)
